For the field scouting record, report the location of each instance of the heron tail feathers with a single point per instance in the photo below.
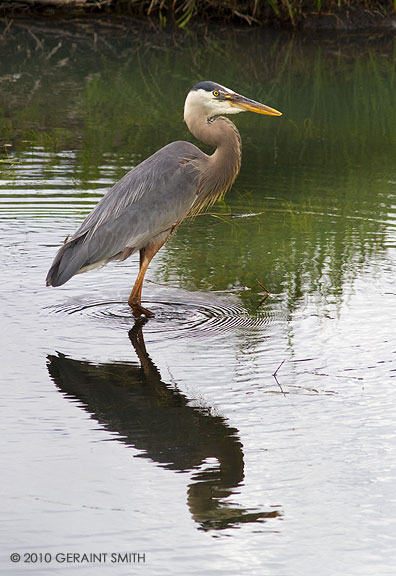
(69, 260)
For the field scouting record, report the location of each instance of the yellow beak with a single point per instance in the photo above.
(243, 103)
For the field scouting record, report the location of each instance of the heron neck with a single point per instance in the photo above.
(224, 164)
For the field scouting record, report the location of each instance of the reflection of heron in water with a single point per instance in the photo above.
(155, 418)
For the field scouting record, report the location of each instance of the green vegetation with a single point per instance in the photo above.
(328, 13)
(267, 11)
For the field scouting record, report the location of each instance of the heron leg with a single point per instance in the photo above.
(146, 255)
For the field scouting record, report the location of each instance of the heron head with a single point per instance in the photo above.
(212, 99)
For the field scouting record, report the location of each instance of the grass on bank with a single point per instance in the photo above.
(294, 12)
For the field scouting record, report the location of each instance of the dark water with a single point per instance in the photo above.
(180, 438)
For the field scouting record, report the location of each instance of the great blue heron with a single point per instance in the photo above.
(143, 208)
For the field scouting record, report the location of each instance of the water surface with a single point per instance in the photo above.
(236, 432)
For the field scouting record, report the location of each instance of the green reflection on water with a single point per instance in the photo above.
(317, 183)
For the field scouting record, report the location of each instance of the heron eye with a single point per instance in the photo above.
(216, 93)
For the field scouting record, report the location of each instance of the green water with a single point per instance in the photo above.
(292, 474)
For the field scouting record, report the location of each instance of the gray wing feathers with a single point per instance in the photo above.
(148, 200)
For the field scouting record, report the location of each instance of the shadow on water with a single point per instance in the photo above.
(154, 417)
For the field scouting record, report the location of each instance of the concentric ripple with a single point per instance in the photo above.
(188, 316)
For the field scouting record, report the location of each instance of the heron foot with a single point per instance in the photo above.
(139, 310)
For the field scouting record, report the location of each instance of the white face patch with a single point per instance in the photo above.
(205, 103)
